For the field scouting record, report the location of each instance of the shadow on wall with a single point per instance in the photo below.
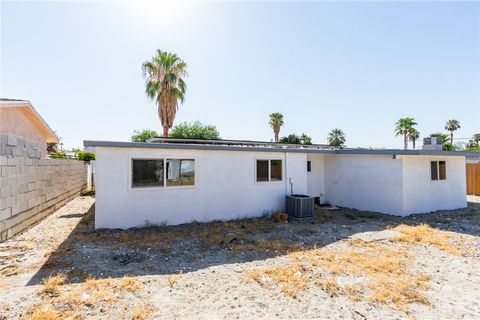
(194, 246)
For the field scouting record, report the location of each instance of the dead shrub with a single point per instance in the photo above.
(173, 279)
(129, 284)
(51, 285)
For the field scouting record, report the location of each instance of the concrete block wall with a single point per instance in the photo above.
(32, 188)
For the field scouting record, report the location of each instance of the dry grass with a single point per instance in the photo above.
(330, 286)
(143, 312)
(92, 283)
(45, 312)
(290, 279)
(173, 279)
(41, 313)
(425, 234)
(383, 274)
(51, 285)
(129, 284)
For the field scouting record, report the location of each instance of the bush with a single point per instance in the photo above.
(58, 154)
(194, 130)
(85, 156)
(143, 135)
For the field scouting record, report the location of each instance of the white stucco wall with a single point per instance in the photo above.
(225, 187)
(421, 194)
(364, 182)
(316, 177)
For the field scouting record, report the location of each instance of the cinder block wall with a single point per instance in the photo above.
(32, 188)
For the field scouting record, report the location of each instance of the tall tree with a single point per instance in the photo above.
(296, 139)
(336, 138)
(413, 136)
(402, 127)
(164, 81)
(452, 125)
(276, 121)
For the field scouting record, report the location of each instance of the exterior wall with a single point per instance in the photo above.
(15, 121)
(316, 177)
(225, 187)
(364, 182)
(421, 194)
(31, 188)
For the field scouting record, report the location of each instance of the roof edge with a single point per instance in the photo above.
(146, 145)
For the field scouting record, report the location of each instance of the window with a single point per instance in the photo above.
(180, 172)
(151, 173)
(269, 170)
(438, 170)
(275, 170)
(309, 166)
(147, 173)
(262, 170)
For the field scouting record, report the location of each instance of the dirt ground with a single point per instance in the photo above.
(345, 264)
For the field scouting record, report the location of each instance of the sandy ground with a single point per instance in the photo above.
(329, 268)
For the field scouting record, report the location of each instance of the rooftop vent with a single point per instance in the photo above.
(432, 143)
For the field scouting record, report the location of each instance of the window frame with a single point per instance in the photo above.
(438, 170)
(269, 170)
(164, 158)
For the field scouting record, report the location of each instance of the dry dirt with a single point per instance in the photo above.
(345, 264)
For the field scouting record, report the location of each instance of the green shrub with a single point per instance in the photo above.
(85, 156)
(194, 130)
(58, 155)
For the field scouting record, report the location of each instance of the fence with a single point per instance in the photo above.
(473, 179)
(32, 188)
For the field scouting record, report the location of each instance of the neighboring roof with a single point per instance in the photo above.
(33, 115)
(270, 148)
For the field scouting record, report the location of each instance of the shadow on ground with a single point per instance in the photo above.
(189, 247)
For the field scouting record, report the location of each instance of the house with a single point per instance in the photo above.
(19, 117)
(172, 181)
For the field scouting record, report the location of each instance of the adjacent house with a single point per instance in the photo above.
(170, 181)
(19, 117)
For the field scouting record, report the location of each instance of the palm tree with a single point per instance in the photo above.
(276, 121)
(336, 137)
(413, 135)
(164, 83)
(452, 125)
(402, 127)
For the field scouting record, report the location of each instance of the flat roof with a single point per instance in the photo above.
(272, 148)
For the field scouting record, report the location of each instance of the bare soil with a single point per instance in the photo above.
(346, 264)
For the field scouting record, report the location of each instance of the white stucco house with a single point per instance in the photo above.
(176, 181)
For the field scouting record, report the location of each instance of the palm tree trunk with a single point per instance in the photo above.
(413, 141)
(165, 131)
(451, 138)
(276, 136)
(405, 142)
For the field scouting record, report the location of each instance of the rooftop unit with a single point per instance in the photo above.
(432, 143)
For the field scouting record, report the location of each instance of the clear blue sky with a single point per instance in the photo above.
(356, 66)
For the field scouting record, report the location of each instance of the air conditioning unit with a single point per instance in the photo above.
(432, 143)
(300, 206)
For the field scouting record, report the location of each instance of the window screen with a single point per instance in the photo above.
(442, 174)
(309, 166)
(275, 170)
(434, 170)
(180, 172)
(262, 170)
(147, 173)
(438, 170)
